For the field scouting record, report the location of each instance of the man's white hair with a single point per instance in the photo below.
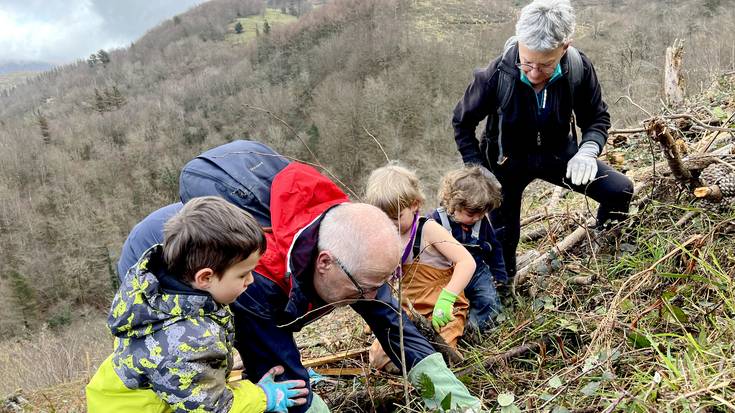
(362, 237)
(545, 25)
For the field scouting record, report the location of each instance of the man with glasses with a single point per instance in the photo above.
(325, 252)
(322, 252)
(531, 95)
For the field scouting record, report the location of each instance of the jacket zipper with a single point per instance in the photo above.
(543, 106)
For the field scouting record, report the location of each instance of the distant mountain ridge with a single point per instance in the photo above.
(24, 66)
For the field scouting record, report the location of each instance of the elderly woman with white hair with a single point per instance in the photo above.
(531, 96)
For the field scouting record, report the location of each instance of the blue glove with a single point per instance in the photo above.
(314, 377)
(279, 396)
(582, 168)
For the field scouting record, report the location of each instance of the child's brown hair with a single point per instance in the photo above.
(468, 189)
(209, 232)
(393, 188)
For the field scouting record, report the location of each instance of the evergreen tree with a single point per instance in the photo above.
(711, 6)
(103, 57)
(116, 98)
(100, 105)
(43, 125)
(25, 297)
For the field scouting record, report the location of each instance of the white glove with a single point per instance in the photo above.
(582, 168)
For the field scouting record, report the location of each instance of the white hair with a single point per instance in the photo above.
(361, 236)
(544, 25)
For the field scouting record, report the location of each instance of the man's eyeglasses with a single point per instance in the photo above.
(347, 273)
(543, 68)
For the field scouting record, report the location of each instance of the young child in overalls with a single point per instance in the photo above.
(466, 196)
(435, 267)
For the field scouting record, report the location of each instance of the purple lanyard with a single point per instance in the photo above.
(399, 271)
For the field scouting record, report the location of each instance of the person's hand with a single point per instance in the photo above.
(582, 168)
(443, 308)
(280, 395)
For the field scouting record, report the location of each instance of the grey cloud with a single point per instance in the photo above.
(133, 18)
(61, 31)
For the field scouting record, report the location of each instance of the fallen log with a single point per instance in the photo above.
(534, 235)
(320, 361)
(346, 371)
(659, 131)
(569, 241)
(694, 163)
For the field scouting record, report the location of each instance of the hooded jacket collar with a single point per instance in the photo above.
(145, 304)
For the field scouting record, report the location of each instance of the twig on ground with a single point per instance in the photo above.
(504, 357)
(713, 386)
(611, 407)
(686, 218)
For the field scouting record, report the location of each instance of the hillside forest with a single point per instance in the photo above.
(90, 148)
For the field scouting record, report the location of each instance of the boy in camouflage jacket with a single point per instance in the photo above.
(173, 327)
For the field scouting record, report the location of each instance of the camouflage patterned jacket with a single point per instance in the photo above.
(171, 342)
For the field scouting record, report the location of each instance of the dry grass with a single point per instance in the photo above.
(50, 358)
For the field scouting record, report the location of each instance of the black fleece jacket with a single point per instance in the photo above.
(523, 132)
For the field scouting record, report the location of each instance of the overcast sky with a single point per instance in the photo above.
(61, 31)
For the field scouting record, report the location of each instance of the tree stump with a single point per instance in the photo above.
(674, 83)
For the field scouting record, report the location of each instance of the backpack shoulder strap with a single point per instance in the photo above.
(476, 230)
(503, 93)
(575, 67)
(444, 218)
(575, 71)
(506, 82)
(417, 240)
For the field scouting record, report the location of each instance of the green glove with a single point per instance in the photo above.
(444, 383)
(443, 309)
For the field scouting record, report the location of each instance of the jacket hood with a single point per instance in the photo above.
(150, 299)
(299, 195)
